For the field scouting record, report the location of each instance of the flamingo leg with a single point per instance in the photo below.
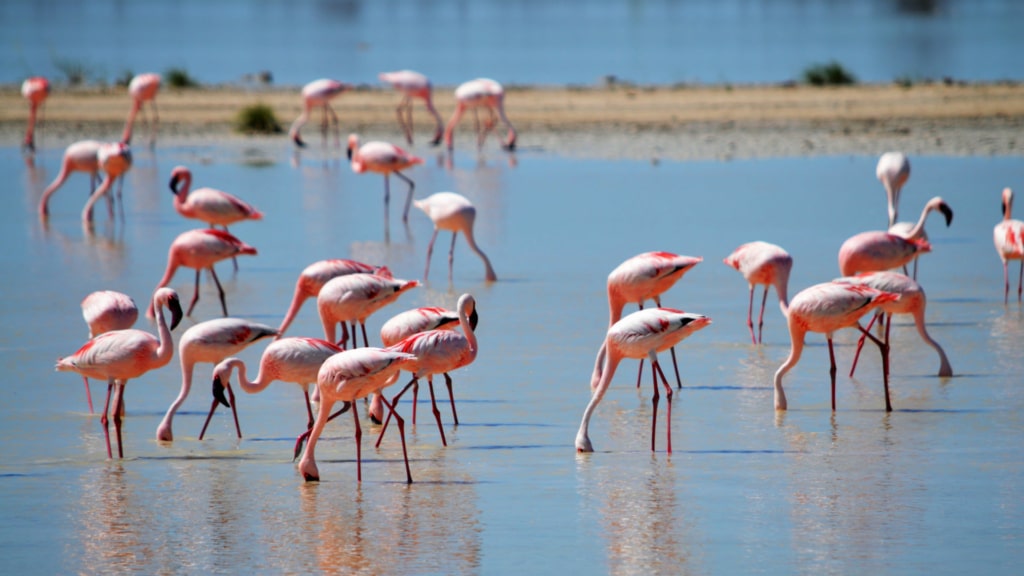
(451, 257)
(401, 430)
(408, 198)
(750, 315)
(387, 197)
(654, 402)
(883, 347)
(451, 397)
(760, 318)
(103, 418)
(1006, 281)
(234, 412)
(366, 342)
(195, 295)
(832, 371)
(430, 250)
(394, 402)
(675, 365)
(433, 406)
(220, 291)
(1020, 280)
(415, 400)
(118, 405)
(359, 444)
(313, 432)
(668, 400)
(336, 124)
(309, 409)
(640, 370)
(88, 393)
(860, 344)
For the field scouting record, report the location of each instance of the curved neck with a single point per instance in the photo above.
(297, 300)
(919, 226)
(253, 386)
(944, 367)
(490, 275)
(467, 330)
(796, 336)
(126, 137)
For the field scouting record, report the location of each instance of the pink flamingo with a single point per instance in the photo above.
(876, 250)
(905, 228)
(413, 85)
(319, 93)
(893, 170)
(641, 334)
(476, 94)
(354, 298)
(347, 377)
(313, 277)
(210, 341)
(762, 263)
(383, 158)
(414, 321)
(120, 355)
(35, 90)
(142, 89)
(115, 159)
(105, 311)
(645, 277)
(911, 301)
(81, 156)
(200, 249)
(1009, 240)
(826, 308)
(295, 360)
(439, 352)
(455, 213)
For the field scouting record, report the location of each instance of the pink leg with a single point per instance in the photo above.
(394, 402)
(654, 402)
(401, 430)
(883, 347)
(103, 418)
(760, 318)
(750, 315)
(668, 399)
(118, 406)
(88, 393)
(437, 413)
(220, 291)
(860, 344)
(430, 251)
(451, 397)
(195, 295)
(832, 372)
(359, 444)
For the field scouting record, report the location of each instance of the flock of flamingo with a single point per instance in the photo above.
(431, 341)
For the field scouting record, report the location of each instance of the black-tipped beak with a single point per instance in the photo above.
(174, 184)
(176, 314)
(436, 141)
(511, 146)
(218, 392)
(947, 212)
(298, 141)
(1003, 209)
(348, 153)
(473, 319)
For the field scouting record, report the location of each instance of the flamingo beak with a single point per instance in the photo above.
(298, 141)
(473, 319)
(218, 392)
(947, 212)
(174, 184)
(176, 314)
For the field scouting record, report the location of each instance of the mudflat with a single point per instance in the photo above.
(618, 121)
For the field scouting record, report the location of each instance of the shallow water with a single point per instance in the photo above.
(515, 41)
(934, 487)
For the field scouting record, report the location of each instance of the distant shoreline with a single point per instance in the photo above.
(617, 121)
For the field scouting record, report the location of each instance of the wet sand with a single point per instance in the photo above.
(636, 122)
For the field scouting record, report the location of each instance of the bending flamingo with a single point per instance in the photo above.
(645, 277)
(453, 212)
(439, 352)
(876, 250)
(318, 93)
(115, 159)
(124, 354)
(347, 377)
(200, 249)
(826, 308)
(1009, 240)
(209, 205)
(893, 170)
(641, 334)
(36, 89)
(105, 311)
(767, 264)
(353, 298)
(383, 158)
(142, 89)
(210, 341)
(414, 321)
(413, 85)
(295, 360)
(313, 277)
(474, 95)
(911, 301)
(82, 156)
(904, 229)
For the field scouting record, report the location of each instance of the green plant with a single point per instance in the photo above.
(257, 119)
(830, 74)
(179, 78)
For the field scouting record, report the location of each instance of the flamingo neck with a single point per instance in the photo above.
(489, 271)
(251, 386)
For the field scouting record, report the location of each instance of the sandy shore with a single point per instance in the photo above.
(678, 123)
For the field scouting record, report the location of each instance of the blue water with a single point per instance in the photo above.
(515, 41)
(935, 487)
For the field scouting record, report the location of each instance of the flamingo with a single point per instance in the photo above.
(826, 308)
(35, 90)
(893, 170)
(1009, 240)
(453, 212)
(142, 89)
(295, 360)
(210, 341)
(349, 376)
(645, 277)
(120, 355)
(905, 228)
(413, 85)
(414, 321)
(313, 277)
(641, 334)
(877, 250)
(353, 298)
(762, 263)
(81, 156)
(473, 95)
(383, 158)
(318, 93)
(105, 311)
(911, 301)
(201, 249)
(115, 159)
(439, 352)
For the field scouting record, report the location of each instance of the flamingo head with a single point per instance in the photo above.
(218, 391)
(353, 145)
(179, 174)
(1007, 202)
(947, 212)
